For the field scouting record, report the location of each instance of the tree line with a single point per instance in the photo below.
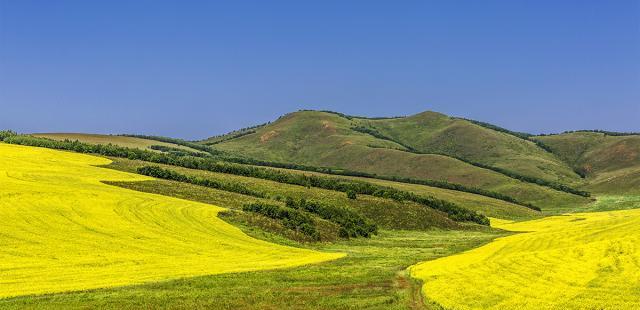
(177, 151)
(193, 145)
(223, 156)
(351, 223)
(211, 164)
(6, 134)
(605, 132)
(160, 173)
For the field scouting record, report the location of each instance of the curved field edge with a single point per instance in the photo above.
(65, 230)
(566, 262)
(372, 276)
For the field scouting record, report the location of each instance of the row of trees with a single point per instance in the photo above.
(177, 151)
(160, 173)
(351, 223)
(193, 145)
(351, 117)
(211, 164)
(6, 134)
(605, 132)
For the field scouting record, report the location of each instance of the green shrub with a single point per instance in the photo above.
(351, 194)
(6, 134)
(290, 218)
(351, 223)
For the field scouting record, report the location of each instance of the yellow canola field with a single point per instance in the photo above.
(62, 229)
(577, 261)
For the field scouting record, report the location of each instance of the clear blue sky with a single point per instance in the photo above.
(192, 69)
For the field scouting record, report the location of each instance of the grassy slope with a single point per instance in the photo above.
(612, 163)
(485, 205)
(325, 139)
(488, 206)
(132, 142)
(433, 132)
(385, 212)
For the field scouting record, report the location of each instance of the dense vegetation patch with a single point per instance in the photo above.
(6, 134)
(291, 218)
(351, 223)
(157, 172)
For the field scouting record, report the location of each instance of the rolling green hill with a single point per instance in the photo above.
(610, 163)
(329, 139)
(431, 132)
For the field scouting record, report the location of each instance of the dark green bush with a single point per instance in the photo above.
(6, 134)
(290, 218)
(350, 222)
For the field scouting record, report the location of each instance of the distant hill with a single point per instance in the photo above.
(611, 163)
(400, 147)
(431, 132)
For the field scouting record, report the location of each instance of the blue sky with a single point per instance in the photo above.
(193, 69)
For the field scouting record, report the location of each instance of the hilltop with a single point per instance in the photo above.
(428, 145)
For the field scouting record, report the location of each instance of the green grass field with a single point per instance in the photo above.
(439, 133)
(611, 163)
(326, 139)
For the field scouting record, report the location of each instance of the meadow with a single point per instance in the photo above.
(576, 261)
(65, 230)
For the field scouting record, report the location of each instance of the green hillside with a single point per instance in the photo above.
(610, 163)
(431, 132)
(328, 139)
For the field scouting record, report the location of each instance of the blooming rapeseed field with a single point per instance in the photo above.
(576, 261)
(62, 229)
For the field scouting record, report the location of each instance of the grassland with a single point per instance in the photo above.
(132, 142)
(433, 132)
(611, 164)
(577, 261)
(488, 206)
(326, 139)
(65, 230)
(387, 213)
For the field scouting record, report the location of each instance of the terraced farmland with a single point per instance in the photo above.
(577, 261)
(64, 230)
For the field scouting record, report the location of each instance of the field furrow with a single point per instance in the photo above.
(65, 230)
(577, 261)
